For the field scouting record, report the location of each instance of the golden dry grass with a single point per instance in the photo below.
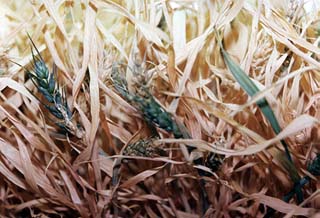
(173, 43)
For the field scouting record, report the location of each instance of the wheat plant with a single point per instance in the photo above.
(54, 97)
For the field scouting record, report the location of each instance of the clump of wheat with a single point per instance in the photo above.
(56, 101)
(141, 98)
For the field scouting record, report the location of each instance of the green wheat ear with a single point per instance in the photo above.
(55, 100)
(144, 102)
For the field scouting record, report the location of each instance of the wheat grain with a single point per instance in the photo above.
(144, 148)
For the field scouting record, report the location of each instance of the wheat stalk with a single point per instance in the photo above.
(55, 98)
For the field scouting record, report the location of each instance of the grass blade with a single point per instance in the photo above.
(247, 84)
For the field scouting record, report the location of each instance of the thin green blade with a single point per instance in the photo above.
(246, 83)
